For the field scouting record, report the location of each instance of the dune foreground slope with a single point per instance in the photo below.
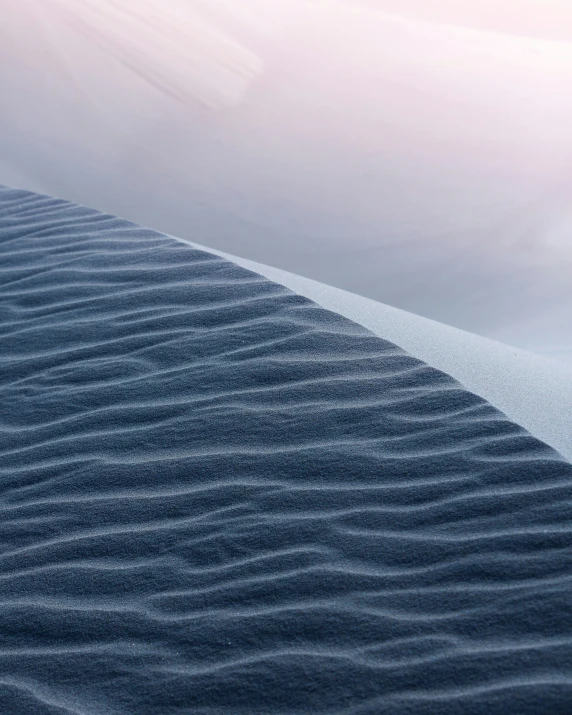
(530, 389)
(218, 497)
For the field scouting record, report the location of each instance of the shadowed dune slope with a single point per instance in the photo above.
(217, 497)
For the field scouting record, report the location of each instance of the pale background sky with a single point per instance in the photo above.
(414, 151)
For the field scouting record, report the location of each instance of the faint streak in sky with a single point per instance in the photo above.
(169, 44)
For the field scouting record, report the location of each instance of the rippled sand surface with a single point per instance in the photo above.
(217, 497)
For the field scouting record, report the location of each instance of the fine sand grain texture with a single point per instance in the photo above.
(533, 390)
(218, 497)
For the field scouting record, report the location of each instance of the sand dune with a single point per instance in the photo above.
(533, 390)
(219, 497)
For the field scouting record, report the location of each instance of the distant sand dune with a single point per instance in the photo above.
(218, 497)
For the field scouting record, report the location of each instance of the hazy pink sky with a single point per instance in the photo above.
(540, 18)
(400, 155)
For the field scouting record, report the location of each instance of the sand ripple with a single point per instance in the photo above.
(216, 497)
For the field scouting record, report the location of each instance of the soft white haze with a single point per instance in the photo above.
(415, 152)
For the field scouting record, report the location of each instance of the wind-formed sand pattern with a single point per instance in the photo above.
(217, 497)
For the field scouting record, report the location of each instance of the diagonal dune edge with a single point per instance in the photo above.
(216, 496)
(534, 391)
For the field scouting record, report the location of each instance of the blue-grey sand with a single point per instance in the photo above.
(218, 497)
